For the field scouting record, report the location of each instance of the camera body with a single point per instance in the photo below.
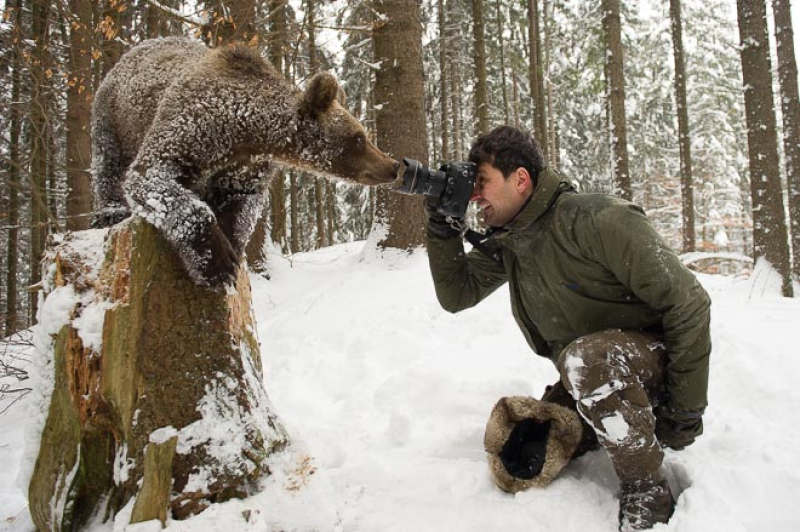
(453, 184)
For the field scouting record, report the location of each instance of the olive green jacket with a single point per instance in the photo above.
(581, 263)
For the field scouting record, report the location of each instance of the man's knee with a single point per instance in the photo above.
(591, 362)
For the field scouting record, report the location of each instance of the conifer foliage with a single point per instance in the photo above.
(542, 65)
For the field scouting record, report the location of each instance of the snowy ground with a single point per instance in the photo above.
(386, 397)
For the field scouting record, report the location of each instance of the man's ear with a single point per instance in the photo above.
(522, 180)
(319, 95)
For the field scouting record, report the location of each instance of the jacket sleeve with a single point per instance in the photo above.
(631, 248)
(461, 280)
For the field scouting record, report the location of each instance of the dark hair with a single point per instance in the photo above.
(507, 148)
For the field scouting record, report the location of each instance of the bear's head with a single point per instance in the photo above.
(333, 141)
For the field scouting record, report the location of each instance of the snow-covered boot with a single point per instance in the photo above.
(529, 441)
(645, 502)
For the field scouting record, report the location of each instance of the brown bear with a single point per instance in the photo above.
(187, 137)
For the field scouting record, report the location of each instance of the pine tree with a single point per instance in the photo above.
(400, 120)
(444, 87)
(499, 27)
(13, 174)
(612, 30)
(357, 74)
(79, 97)
(769, 226)
(578, 58)
(719, 143)
(790, 107)
(40, 216)
(538, 95)
(479, 47)
(685, 141)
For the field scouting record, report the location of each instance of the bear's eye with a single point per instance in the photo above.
(359, 142)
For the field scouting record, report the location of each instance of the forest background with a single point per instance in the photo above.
(643, 99)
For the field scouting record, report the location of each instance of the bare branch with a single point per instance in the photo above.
(13, 359)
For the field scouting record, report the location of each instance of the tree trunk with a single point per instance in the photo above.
(616, 96)
(433, 122)
(684, 138)
(175, 364)
(479, 46)
(456, 90)
(39, 216)
(770, 238)
(319, 185)
(444, 87)
(516, 99)
(294, 204)
(790, 105)
(319, 212)
(553, 143)
(51, 180)
(13, 173)
(79, 98)
(400, 118)
(154, 22)
(537, 78)
(456, 95)
(501, 42)
(277, 34)
(332, 215)
(277, 191)
(276, 213)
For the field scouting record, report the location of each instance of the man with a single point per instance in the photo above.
(597, 291)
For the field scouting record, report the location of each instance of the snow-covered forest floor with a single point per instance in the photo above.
(386, 397)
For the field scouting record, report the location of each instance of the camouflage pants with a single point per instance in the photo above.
(614, 377)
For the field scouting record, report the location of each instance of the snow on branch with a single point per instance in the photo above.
(193, 19)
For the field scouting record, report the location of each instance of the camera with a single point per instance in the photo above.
(452, 184)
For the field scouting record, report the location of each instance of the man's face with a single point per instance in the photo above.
(499, 198)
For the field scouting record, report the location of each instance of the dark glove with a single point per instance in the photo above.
(438, 226)
(677, 429)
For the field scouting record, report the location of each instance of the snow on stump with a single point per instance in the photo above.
(159, 404)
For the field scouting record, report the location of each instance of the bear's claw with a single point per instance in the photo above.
(220, 269)
(109, 216)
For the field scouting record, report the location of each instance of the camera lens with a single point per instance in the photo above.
(452, 184)
(418, 179)
(414, 176)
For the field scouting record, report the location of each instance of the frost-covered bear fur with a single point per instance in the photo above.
(187, 137)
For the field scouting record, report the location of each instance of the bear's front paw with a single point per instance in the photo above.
(109, 216)
(220, 269)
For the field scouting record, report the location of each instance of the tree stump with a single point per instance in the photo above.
(170, 410)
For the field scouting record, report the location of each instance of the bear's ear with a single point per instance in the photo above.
(341, 97)
(319, 95)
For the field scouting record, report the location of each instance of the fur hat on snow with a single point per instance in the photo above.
(528, 442)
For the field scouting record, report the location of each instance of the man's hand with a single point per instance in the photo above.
(677, 429)
(437, 223)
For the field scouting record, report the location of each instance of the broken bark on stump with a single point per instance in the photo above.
(174, 394)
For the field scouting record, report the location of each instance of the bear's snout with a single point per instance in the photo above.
(378, 178)
(373, 167)
(391, 175)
